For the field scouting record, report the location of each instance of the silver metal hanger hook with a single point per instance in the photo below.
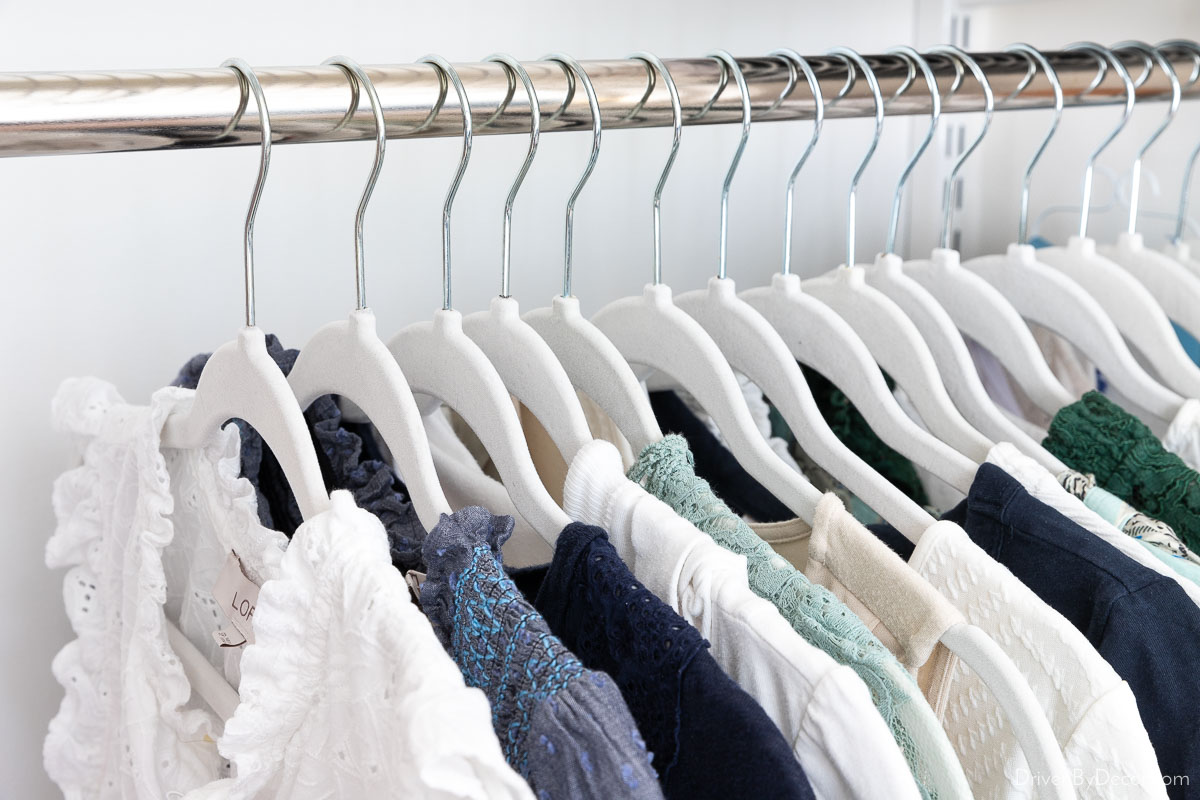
(1105, 56)
(249, 84)
(915, 61)
(515, 70)
(814, 87)
(852, 59)
(728, 62)
(989, 107)
(446, 72)
(1185, 189)
(1156, 57)
(1036, 59)
(358, 78)
(575, 70)
(660, 69)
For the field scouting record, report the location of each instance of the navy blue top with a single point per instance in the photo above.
(1141, 622)
(709, 737)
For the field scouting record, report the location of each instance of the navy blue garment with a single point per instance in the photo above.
(349, 459)
(1141, 622)
(745, 496)
(710, 739)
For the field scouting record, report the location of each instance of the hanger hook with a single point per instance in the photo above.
(574, 70)
(914, 60)
(851, 58)
(248, 83)
(1036, 59)
(1185, 189)
(359, 78)
(729, 63)
(656, 64)
(1155, 56)
(513, 69)
(956, 54)
(814, 87)
(1104, 56)
(446, 72)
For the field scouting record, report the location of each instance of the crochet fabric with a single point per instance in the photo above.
(665, 470)
(563, 727)
(372, 481)
(1094, 435)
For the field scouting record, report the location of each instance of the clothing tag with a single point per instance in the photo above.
(225, 638)
(237, 596)
(415, 581)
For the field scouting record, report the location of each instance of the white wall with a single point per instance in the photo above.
(123, 266)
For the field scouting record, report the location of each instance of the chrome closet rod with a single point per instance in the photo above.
(53, 113)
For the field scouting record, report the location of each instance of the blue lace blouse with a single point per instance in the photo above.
(710, 738)
(563, 727)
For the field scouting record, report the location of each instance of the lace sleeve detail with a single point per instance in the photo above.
(664, 469)
(1096, 436)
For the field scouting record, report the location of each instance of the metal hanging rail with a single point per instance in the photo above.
(50, 113)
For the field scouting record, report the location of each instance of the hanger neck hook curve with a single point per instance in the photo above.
(575, 70)
(989, 106)
(1155, 56)
(814, 87)
(918, 61)
(852, 59)
(730, 64)
(248, 83)
(1109, 59)
(1035, 59)
(447, 73)
(515, 70)
(359, 79)
(1185, 189)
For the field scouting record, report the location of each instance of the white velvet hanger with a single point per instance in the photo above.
(896, 345)
(347, 358)
(1174, 287)
(1050, 298)
(1128, 295)
(753, 348)
(241, 380)
(1175, 247)
(937, 329)
(651, 331)
(522, 358)
(441, 361)
(593, 364)
(818, 337)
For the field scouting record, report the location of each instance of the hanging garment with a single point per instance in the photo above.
(664, 469)
(1147, 541)
(1183, 434)
(1156, 536)
(144, 534)
(823, 709)
(344, 465)
(1141, 622)
(1096, 436)
(563, 727)
(1092, 711)
(710, 739)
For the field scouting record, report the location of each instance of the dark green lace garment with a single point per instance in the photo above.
(852, 428)
(1097, 436)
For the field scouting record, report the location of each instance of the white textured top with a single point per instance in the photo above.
(823, 708)
(345, 691)
(1092, 711)
(1183, 434)
(1043, 486)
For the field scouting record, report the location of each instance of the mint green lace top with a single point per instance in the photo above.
(1095, 435)
(665, 469)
